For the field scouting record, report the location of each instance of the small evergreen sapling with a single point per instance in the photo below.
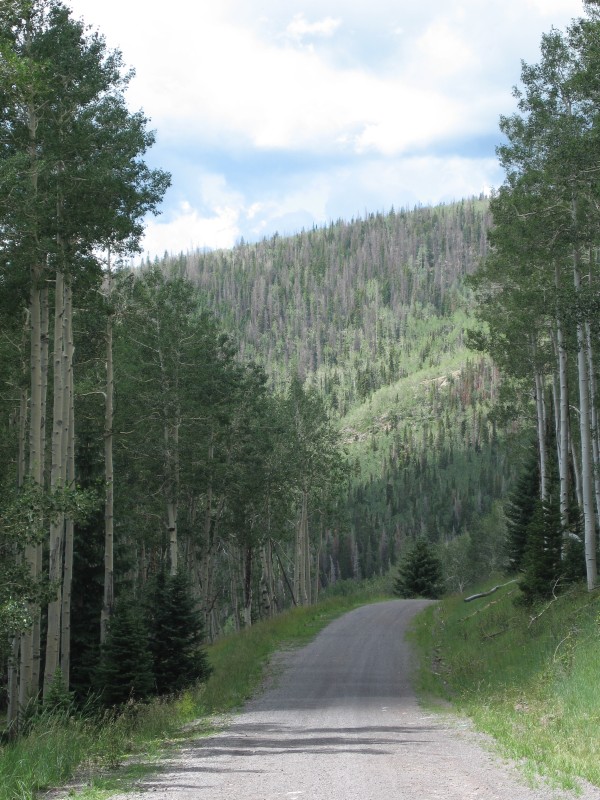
(176, 635)
(542, 567)
(420, 573)
(125, 669)
(520, 510)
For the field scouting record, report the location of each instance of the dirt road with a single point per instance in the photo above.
(342, 723)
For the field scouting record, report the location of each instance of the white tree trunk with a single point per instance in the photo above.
(108, 594)
(69, 457)
(589, 516)
(57, 481)
(563, 421)
(27, 687)
(540, 407)
(593, 417)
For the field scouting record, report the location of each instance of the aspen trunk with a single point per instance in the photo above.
(593, 417)
(247, 566)
(12, 713)
(28, 688)
(233, 570)
(207, 568)
(108, 595)
(57, 481)
(44, 355)
(540, 407)
(575, 462)
(65, 636)
(589, 517)
(563, 436)
(564, 426)
(172, 528)
(267, 580)
(300, 560)
(171, 438)
(318, 565)
(307, 563)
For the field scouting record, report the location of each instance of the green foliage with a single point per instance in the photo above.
(420, 573)
(58, 699)
(125, 668)
(520, 510)
(535, 287)
(542, 563)
(176, 634)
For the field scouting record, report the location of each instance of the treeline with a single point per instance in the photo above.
(148, 475)
(350, 307)
(538, 293)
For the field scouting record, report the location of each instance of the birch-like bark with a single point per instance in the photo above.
(172, 421)
(563, 415)
(589, 517)
(267, 580)
(307, 564)
(299, 561)
(576, 466)
(207, 558)
(234, 582)
(247, 585)
(69, 466)
(12, 710)
(593, 416)
(540, 408)
(29, 650)
(27, 688)
(108, 594)
(318, 565)
(39, 555)
(57, 481)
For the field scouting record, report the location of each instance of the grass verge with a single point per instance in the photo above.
(527, 676)
(92, 747)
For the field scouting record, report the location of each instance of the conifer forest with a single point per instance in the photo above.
(196, 442)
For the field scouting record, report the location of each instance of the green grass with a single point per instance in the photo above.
(528, 677)
(62, 746)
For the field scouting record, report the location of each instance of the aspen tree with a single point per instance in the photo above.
(73, 160)
(108, 592)
(551, 159)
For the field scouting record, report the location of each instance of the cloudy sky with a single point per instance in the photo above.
(274, 115)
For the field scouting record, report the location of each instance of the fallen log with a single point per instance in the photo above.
(491, 591)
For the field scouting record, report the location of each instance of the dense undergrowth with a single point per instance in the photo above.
(527, 676)
(92, 745)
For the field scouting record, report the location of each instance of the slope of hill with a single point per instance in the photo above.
(373, 313)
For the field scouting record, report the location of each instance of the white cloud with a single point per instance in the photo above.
(445, 51)
(299, 27)
(204, 69)
(187, 229)
(366, 85)
(549, 8)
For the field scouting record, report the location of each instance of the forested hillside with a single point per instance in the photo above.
(373, 313)
(353, 306)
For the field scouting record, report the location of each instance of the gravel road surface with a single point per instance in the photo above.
(341, 722)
